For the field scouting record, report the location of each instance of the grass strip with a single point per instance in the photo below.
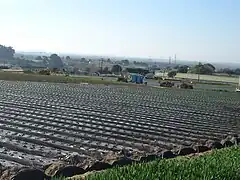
(53, 78)
(221, 164)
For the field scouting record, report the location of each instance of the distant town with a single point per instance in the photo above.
(11, 60)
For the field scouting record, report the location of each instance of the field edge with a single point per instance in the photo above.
(225, 154)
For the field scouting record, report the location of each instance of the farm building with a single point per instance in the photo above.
(13, 70)
(160, 74)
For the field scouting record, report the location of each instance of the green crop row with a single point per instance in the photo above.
(221, 164)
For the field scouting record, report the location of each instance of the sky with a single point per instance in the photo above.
(196, 30)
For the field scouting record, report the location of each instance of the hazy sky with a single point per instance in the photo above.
(207, 30)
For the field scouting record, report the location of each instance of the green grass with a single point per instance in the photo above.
(54, 78)
(221, 164)
(215, 83)
(208, 77)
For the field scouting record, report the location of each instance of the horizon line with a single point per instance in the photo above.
(124, 57)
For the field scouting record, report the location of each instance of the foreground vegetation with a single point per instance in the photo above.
(61, 78)
(217, 165)
(53, 78)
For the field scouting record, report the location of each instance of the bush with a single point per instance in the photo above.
(45, 72)
(28, 72)
(167, 84)
(122, 79)
(221, 90)
(186, 86)
(172, 74)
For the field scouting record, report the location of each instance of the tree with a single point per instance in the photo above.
(75, 70)
(183, 69)
(125, 62)
(83, 60)
(237, 71)
(44, 72)
(6, 52)
(207, 69)
(140, 63)
(137, 70)
(168, 68)
(55, 62)
(45, 60)
(88, 69)
(176, 67)
(227, 71)
(203, 69)
(68, 58)
(154, 67)
(38, 58)
(116, 69)
(55, 70)
(211, 66)
(105, 70)
(172, 74)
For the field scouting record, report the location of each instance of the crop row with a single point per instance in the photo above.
(41, 123)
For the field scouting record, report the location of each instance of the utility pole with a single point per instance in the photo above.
(169, 60)
(198, 70)
(101, 65)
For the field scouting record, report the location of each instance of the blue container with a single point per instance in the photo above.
(134, 78)
(141, 79)
(138, 79)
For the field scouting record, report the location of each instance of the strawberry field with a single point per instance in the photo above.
(47, 125)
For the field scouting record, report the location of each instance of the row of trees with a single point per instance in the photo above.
(230, 71)
(118, 68)
(206, 69)
(126, 62)
(53, 61)
(197, 69)
(6, 53)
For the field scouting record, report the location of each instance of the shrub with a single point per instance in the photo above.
(186, 86)
(44, 72)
